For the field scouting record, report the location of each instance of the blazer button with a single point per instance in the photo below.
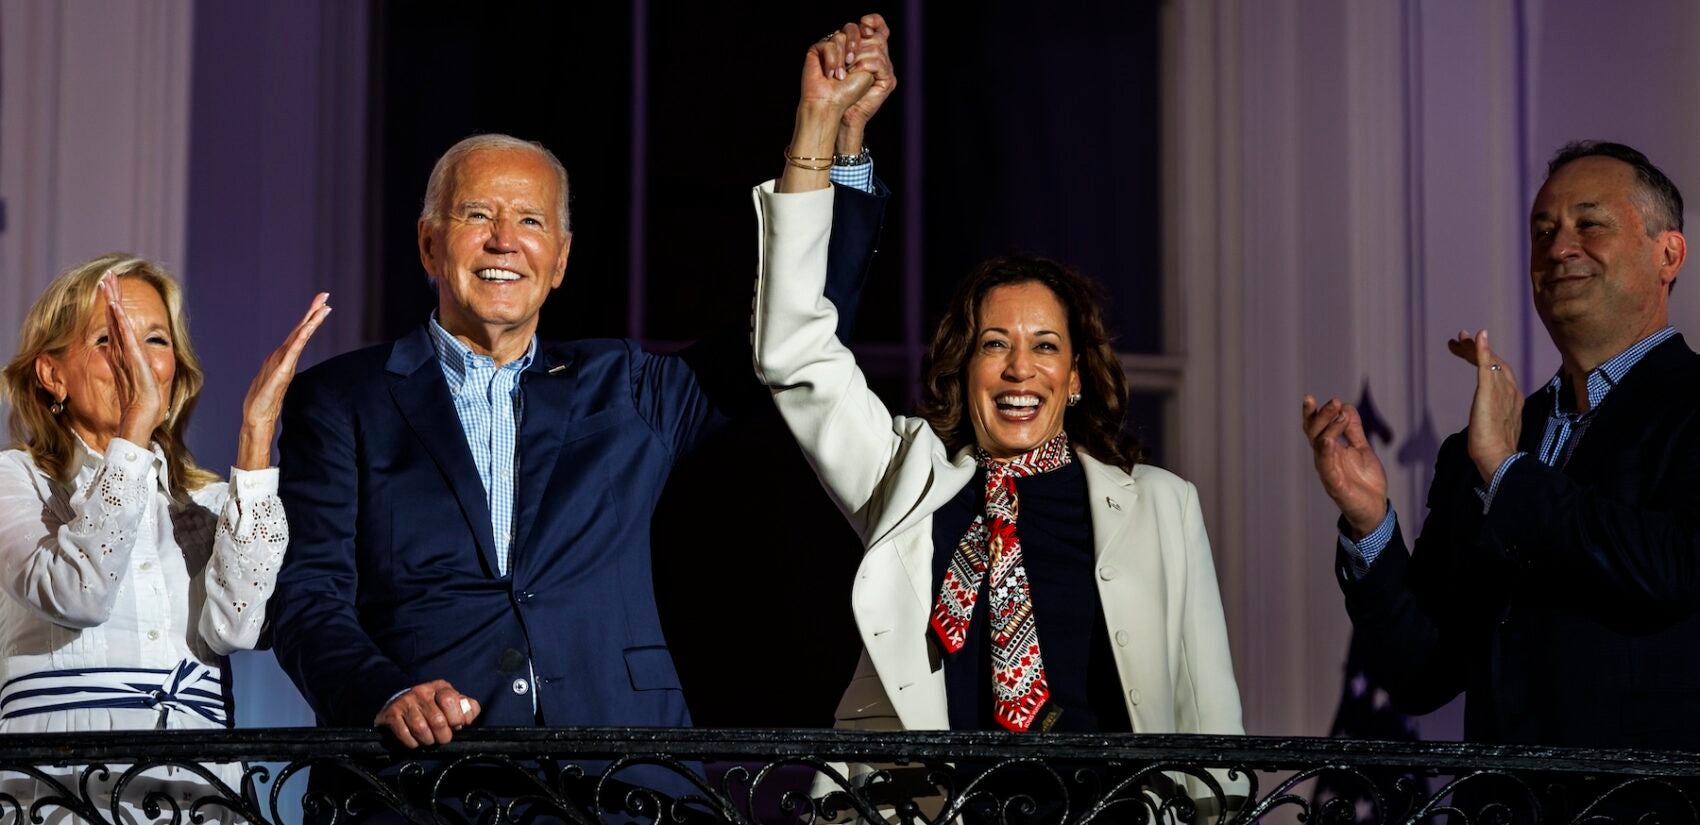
(1106, 572)
(523, 596)
(520, 687)
(1133, 696)
(1121, 638)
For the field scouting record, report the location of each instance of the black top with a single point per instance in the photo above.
(1056, 547)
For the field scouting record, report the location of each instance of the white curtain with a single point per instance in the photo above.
(94, 122)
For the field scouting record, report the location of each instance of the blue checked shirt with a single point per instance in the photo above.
(1565, 427)
(487, 398)
(488, 401)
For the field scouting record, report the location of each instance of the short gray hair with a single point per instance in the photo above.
(433, 211)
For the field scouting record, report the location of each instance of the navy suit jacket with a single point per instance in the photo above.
(1570, 613)
(391, 578)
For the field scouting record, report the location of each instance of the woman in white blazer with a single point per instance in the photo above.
(1095, 607)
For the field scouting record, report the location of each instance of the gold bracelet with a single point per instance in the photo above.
(797, 161)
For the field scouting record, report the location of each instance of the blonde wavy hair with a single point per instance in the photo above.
(51, 326)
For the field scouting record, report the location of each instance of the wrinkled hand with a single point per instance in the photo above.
(264, 402)
(1496, 411)
(867, 44)
(832, 81)
(1351, 473)
(428, 714)
(142, 403)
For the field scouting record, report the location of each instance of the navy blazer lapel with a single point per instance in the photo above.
(1621, 421)
(421, 394)
(547, 390)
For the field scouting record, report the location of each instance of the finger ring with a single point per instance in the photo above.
(828, 38)
(1493, 368)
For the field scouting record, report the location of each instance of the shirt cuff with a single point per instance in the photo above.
(1493, 485)
(245, 484)
(1361, 554)
(121, 449)
(860, 176)
(387, 702)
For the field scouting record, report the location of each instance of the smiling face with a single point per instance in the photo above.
(1598, 278)
(81, 375)
(497, 249)
(1022, 369)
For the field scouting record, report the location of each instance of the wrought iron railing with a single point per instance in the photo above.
(587, 776)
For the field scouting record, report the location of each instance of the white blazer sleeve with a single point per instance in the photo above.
(849, 437)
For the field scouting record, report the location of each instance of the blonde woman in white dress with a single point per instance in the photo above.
(128, 573)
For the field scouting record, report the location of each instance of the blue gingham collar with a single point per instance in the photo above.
(1603, 378)
(457, 358)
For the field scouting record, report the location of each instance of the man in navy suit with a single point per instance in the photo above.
(1556, 581)
(470, 507)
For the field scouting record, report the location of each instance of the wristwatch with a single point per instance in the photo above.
(852, 160)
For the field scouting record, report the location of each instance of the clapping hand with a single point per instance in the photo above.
(142, 403)
(1496, 410)
(1351, 473)
(264, 402)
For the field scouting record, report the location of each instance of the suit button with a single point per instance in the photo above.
(520, 687)
(1121, 638)
(1133, 696)
(524, 596)
(1106, 572)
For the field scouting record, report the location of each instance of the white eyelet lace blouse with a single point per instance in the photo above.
(121, 604)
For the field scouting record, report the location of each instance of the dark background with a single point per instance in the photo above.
(1037, 133)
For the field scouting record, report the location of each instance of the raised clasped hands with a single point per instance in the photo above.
(264, 402)
(866, 46)
(849, 73)
(847, 76)
(1496, 410)
(1351, 473)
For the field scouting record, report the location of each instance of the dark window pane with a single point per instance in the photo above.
(1042, 138)
(1146, 418)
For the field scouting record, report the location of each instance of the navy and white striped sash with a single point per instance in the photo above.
(188, 687)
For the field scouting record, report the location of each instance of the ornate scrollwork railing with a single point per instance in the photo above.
(587, 776)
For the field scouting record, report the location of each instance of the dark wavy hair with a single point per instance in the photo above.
(1097, 424)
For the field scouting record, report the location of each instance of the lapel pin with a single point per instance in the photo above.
(557, 368)
(1112, 503)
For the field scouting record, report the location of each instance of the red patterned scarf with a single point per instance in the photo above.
(1018, 672)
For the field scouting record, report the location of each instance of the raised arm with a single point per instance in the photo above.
(845, 431)
(251, 533)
